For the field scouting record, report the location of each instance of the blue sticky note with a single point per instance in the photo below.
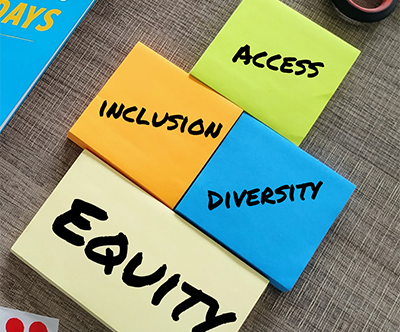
(266, 200)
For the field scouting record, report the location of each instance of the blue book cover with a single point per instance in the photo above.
(31, 34)
(266, 200)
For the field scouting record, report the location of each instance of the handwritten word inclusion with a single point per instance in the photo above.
(173, 122)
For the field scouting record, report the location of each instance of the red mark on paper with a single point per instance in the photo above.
(38, 327)
(14, 325)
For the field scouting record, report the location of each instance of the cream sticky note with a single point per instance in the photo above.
(277, 65)
(132, 262)
(155, 124)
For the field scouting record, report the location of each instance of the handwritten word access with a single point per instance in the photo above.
(276, 62)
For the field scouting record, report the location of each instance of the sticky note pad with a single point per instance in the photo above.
(131, 261)
(155, 124)
(266, 200)
(277, 65)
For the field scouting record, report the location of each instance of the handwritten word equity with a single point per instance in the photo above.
(128, 114)
(129, 278)
(256, 196)
(277, 62)
(14, 15)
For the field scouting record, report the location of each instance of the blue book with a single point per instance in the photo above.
(31, 34)
(266, 200)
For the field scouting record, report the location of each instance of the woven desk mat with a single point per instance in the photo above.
(352, 282)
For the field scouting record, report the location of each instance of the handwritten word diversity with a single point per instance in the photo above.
(256, 196)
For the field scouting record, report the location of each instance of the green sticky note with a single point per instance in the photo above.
(277, 65)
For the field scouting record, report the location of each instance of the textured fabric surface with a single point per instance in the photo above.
(352, 282)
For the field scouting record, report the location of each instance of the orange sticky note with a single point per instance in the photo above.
(155, 124)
